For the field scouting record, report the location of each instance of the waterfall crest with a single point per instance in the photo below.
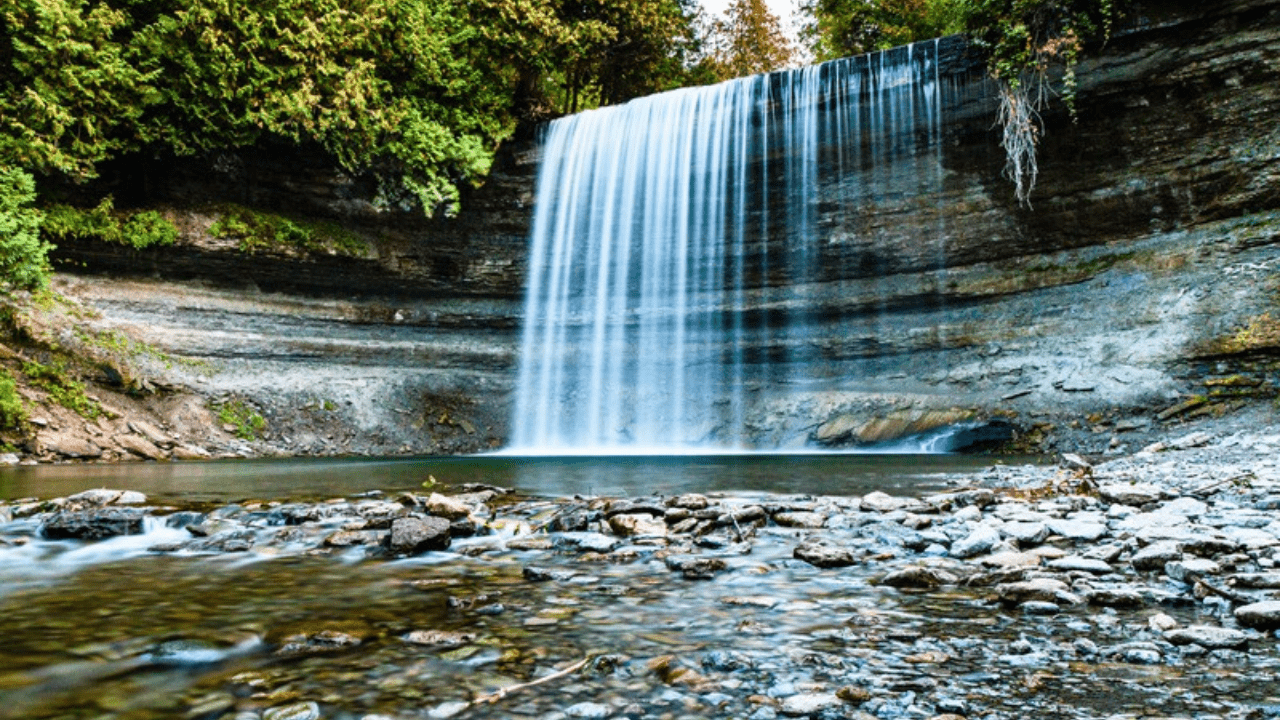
(677, 241)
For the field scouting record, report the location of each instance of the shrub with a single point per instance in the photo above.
(138, 230)
(24, 262)
(12, 410)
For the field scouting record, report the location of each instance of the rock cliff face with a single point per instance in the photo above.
(1146, 267)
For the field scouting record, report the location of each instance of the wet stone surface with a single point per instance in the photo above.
(1028, 593)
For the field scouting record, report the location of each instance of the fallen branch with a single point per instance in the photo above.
(500, 694)
(1208, 489)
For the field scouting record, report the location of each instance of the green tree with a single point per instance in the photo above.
(69, 95)
(23, 255)
(748, 40)
(840, 28)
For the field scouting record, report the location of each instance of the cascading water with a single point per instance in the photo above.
(676, 244)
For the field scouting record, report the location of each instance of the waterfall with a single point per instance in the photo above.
(677, 243)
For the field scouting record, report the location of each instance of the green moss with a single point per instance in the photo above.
(55, 380)
(259, 231)
(1262, 333)
(13, 412)
(248, 423)
(138, 229)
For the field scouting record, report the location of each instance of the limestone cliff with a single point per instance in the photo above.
(1146, 267)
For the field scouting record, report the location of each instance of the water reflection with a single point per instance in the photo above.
(224, 481)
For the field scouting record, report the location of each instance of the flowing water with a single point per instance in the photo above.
(676, 247)
(130, 629)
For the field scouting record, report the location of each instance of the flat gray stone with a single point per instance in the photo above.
(1136, 494)
(1026, 533)
(1156, 556)
(806, 704)
(800, 519)
(979, 542)
(1260, 615)
(1084, 564)
(1187, 569)
(1039, 590)
(1078, 530)
(1207, 636)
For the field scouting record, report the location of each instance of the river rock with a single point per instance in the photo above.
(918, 577)
(807, 704)
(415, 535)
(94, 524)
(822, 554)
(696, 567)
(1010, 559)
(689, 501)
(104, 496)
(296, 711)
(1078, 530)
(800, 519)
(654, 507)
(1026, 533)
(1189, 569)
(883, 502)
(1082, 564)
(1136, 494)
(1260, 581)
(1156, 555)
(1038, 589)
(589, 710)
(1207, 636)
(351, 538)
(586, 542)
(439, 638)
(979, 542)
(446, 507)
(1261, 615)
(637, 524)
(1116, 597)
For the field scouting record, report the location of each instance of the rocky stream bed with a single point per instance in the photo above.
(1143, 586)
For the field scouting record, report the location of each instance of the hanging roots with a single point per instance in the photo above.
(1019, 117)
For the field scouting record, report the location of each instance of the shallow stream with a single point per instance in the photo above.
(115, 630)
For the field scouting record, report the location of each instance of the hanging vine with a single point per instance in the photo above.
(1024, 40)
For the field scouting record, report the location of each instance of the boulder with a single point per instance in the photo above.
(94, 524)
(416, 535)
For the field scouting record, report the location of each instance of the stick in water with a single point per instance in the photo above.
(500, 694)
